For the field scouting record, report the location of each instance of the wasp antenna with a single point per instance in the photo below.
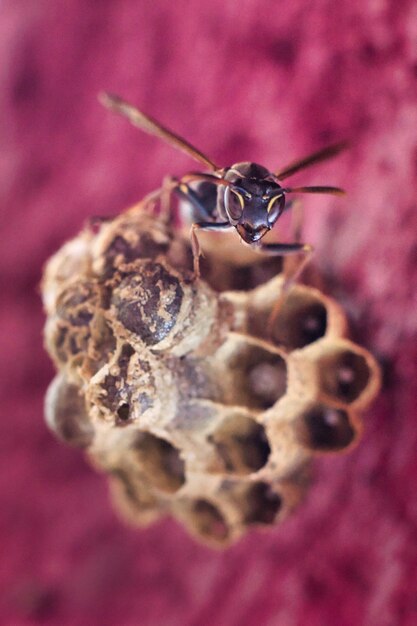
(152, 127)
(311, 159)
(209, 178)
(109, 100)
(336, 191)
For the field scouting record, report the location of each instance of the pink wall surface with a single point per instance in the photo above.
(253, 80)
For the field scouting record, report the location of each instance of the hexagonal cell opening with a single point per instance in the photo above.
(260, 375)
(207, 521)
(260, 504)
(301, 320)
(325, 429)
(159, 462)
(123, 412)
(344, 375)
(242, 444)
(135, 492)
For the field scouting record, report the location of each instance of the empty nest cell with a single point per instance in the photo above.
(159, 461)
(325, 429)
(242, 444)
(257, 502)
(343, 374)
(260, 504)
(298, 321)
(133, 490)
(206, 520)
(292, 320)
(132, 497)
(257, 376)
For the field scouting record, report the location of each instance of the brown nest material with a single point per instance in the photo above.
(198, 398)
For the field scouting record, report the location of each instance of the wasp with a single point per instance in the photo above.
(245, 196)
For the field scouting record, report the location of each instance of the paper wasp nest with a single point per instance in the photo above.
(199, 398)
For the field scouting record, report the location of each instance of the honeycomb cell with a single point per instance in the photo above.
(111, 390)
(133, 490)
(132, 497)
(267, 381)
(300, 320)
(205, 519)
(262, 504)
(259, 375)
(147, 302)
(69, 329)
(160, 462)
(70, 263)
(343, 374)
(124, 390)
(242, 444)
(325, 429)
(66, 413)
(258, 502)
(123, 244)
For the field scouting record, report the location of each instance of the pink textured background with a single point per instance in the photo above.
(262, 80)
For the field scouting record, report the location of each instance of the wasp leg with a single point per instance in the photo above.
(291, 262)
(280, 249)
(195, 245)
(294, 272)
(151, 200)
(289, 277)
(286, 249)
(297, 216)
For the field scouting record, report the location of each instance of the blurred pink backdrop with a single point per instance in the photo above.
(255, 80)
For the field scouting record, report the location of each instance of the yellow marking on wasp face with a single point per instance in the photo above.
(272, 202)
(241, 200)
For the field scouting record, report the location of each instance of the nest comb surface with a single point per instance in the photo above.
(198, 398)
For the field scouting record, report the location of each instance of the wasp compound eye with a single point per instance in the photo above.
(187, 397)
(275, 207)
(234, 203)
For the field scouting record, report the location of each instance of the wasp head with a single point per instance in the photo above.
(253, 203)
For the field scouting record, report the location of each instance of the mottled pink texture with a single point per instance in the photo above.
(261, 80)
